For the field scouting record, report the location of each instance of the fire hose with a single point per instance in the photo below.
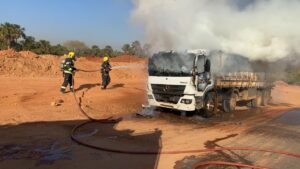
(88, 71)
(110, 120)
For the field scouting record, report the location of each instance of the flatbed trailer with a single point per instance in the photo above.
(242, 80)
(252, 88)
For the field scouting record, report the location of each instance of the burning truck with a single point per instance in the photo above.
(204, 81)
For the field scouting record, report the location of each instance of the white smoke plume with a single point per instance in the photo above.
(257, 29)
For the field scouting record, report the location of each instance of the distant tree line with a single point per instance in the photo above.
(12, 36)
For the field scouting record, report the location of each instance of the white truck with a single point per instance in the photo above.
(202, 81)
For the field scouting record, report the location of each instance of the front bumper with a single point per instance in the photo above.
(179, 106)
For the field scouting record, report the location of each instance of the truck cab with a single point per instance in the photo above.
(179, 80)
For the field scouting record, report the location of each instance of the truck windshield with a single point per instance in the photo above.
(171, 64)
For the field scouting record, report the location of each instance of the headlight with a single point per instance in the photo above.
(186, 101)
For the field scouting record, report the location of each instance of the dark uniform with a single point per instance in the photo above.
(68, 71)
(105, 69)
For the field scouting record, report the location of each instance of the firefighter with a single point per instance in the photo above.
(105, 69)
(68, 72)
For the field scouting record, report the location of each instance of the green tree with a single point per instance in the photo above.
(137, 48)
(2, 45)
(42, 47)
(96, 51)
(58, 50)
(10, 33)
(126, 48)
(108, 50)
(86, 52)
(117, 53)
(28, 43)
(17, 46)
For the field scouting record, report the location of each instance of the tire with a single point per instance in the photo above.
(210, 104)
(257, 101)
(229, 104)
(265, 97)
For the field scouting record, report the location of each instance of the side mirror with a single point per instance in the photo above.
(207, 66)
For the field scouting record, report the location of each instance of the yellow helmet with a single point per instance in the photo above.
(71, 54)
(106, 58)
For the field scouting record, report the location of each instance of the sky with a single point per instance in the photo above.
(95, 22)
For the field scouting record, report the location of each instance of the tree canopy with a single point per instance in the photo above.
(13, 36)
(10, 33)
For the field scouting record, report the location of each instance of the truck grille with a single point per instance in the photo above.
(168, 89)
(167, 93)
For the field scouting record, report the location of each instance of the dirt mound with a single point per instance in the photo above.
(28, 54)
(27, 64)
(281, 83)
(9, 53)
(285, 93)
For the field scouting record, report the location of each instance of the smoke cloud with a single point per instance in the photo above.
(257, 29)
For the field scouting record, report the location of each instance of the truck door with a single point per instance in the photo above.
(200, 73)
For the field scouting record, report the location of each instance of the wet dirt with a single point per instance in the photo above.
(42, 154)
(291, 117)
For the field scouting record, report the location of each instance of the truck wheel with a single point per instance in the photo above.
(265, 97)
(229, 104)
(210, 104)
(258, 100)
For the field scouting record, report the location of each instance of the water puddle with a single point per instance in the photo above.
(291, 118)
(44, 154)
